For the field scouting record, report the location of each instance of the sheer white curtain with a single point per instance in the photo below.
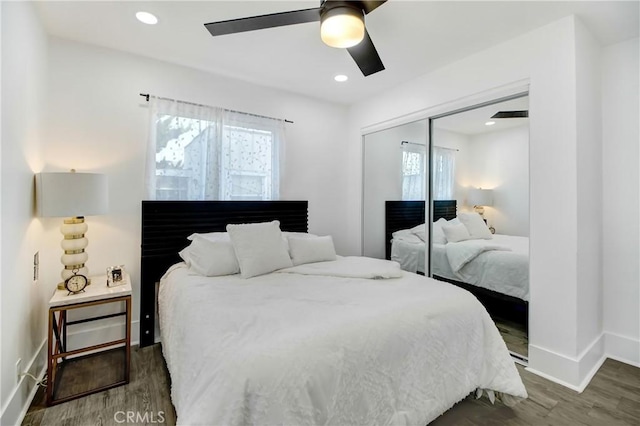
(413, 172)
(198, 152)
(444, 165)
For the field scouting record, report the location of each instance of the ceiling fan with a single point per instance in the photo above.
(511, 114)
(341, 25)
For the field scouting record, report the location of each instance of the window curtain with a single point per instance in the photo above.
(413, 173)
(198, 152)
(444, 161)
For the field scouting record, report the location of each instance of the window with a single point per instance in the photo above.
(205, 153)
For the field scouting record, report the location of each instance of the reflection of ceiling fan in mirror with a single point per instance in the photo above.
(511, 114)
(341, 25)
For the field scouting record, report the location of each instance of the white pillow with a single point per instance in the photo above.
(419, 231)
(210, 258)
(211, 236)
(401, 233)
(309, 250)
(259, 248)
(438, 236)
(455, 233)
(286, 235)
(475, 225)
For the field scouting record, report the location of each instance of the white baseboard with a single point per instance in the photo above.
(16, 408)
(572, 372)
(622, 348)
(576, 373)
(90, 336)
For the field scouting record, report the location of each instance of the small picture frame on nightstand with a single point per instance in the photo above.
(115, 275)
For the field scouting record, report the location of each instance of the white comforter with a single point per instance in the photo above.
(286, 348)
(463, 252)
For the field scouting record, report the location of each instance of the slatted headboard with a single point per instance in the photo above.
(167, 224)
(407, 214)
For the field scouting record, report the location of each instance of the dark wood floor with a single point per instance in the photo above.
(514, 335)
(612, 398)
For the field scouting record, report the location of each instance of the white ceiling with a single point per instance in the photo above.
(472, 122)
(412, 37)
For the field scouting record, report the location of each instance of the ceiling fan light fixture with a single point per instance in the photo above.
(342, 27)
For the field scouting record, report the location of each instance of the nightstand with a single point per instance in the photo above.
(74, 373)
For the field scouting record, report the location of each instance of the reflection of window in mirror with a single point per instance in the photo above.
(444, 167)
(413, 175)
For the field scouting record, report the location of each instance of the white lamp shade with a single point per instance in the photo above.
(71, 194)
(480, 197)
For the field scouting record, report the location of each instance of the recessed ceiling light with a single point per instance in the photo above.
(147, 18)
(341, 78)
(489, 123)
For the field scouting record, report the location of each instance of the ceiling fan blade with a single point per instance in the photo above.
(263, 21)
(366, 56)
(369, 6)
(511, 114)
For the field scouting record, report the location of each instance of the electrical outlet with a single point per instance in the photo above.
(18, 370)
(36, 267)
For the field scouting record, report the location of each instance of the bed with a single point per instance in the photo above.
(499, 278)
(348, 341)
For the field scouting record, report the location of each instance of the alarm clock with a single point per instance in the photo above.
(76, 283)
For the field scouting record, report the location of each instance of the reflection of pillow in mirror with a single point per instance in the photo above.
(211, 236)
(401, 233)
(475, 225)
(408, 238)
(438, 236)
(455, 233)
(454, 221)
(420, 232)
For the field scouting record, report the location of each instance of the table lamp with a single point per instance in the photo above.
(479, 198)
(72, 195)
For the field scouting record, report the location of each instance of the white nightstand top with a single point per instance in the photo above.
(97, 290)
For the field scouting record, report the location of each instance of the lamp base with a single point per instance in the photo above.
(74, 242)
(479, 210)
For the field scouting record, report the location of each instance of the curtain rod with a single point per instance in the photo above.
(444, 147)
(435, 146)
(147, 95)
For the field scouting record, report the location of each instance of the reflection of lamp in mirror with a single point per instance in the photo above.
(72, 195)
(479, 198)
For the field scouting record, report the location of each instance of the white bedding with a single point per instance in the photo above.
(286, 348)
(503, 271)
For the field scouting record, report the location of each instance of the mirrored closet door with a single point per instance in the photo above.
(394, 170)
(476, 163)
(481, 241)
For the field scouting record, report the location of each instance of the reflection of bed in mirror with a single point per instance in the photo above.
(494, 276)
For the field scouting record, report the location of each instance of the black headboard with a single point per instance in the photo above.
(407, 214)
(167, 224)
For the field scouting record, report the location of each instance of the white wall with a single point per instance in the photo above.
(24, 307)
(546, 58)
(621, 212)
(589, 190)
(98, 122)
(500, 161)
